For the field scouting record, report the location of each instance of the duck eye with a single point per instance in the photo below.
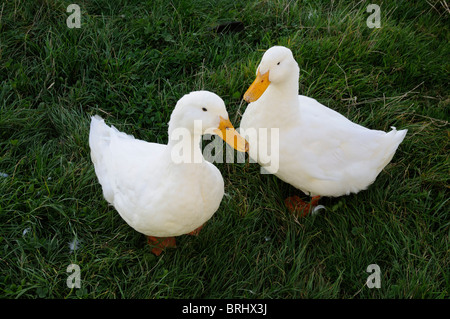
(278, 63)
(204, 109)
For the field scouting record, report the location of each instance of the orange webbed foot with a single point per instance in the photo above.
(196, 231)
(158, 244)
(299, 207)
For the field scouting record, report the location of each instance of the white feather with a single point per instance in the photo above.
(154, 195)
(321, 152)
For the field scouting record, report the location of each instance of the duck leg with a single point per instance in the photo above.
(299, 207)
(158, 244)
(196, 231)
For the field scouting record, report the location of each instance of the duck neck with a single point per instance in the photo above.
(286, 91)
(282, 99)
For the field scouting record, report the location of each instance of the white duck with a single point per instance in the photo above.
(168, 190)
(321, 152)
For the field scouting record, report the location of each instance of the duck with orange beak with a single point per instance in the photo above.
(155, 194)
(321, 152)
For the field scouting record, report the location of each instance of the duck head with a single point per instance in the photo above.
(277, 67)
(208, 110)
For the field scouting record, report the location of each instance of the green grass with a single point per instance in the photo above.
(132, 60)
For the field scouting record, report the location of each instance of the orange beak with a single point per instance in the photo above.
(227, 132)
(257, 88)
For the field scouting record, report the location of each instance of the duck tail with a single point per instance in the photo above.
(398, 137)
(99, 136)
(394, 138)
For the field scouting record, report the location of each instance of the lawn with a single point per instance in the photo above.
(130, 61)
